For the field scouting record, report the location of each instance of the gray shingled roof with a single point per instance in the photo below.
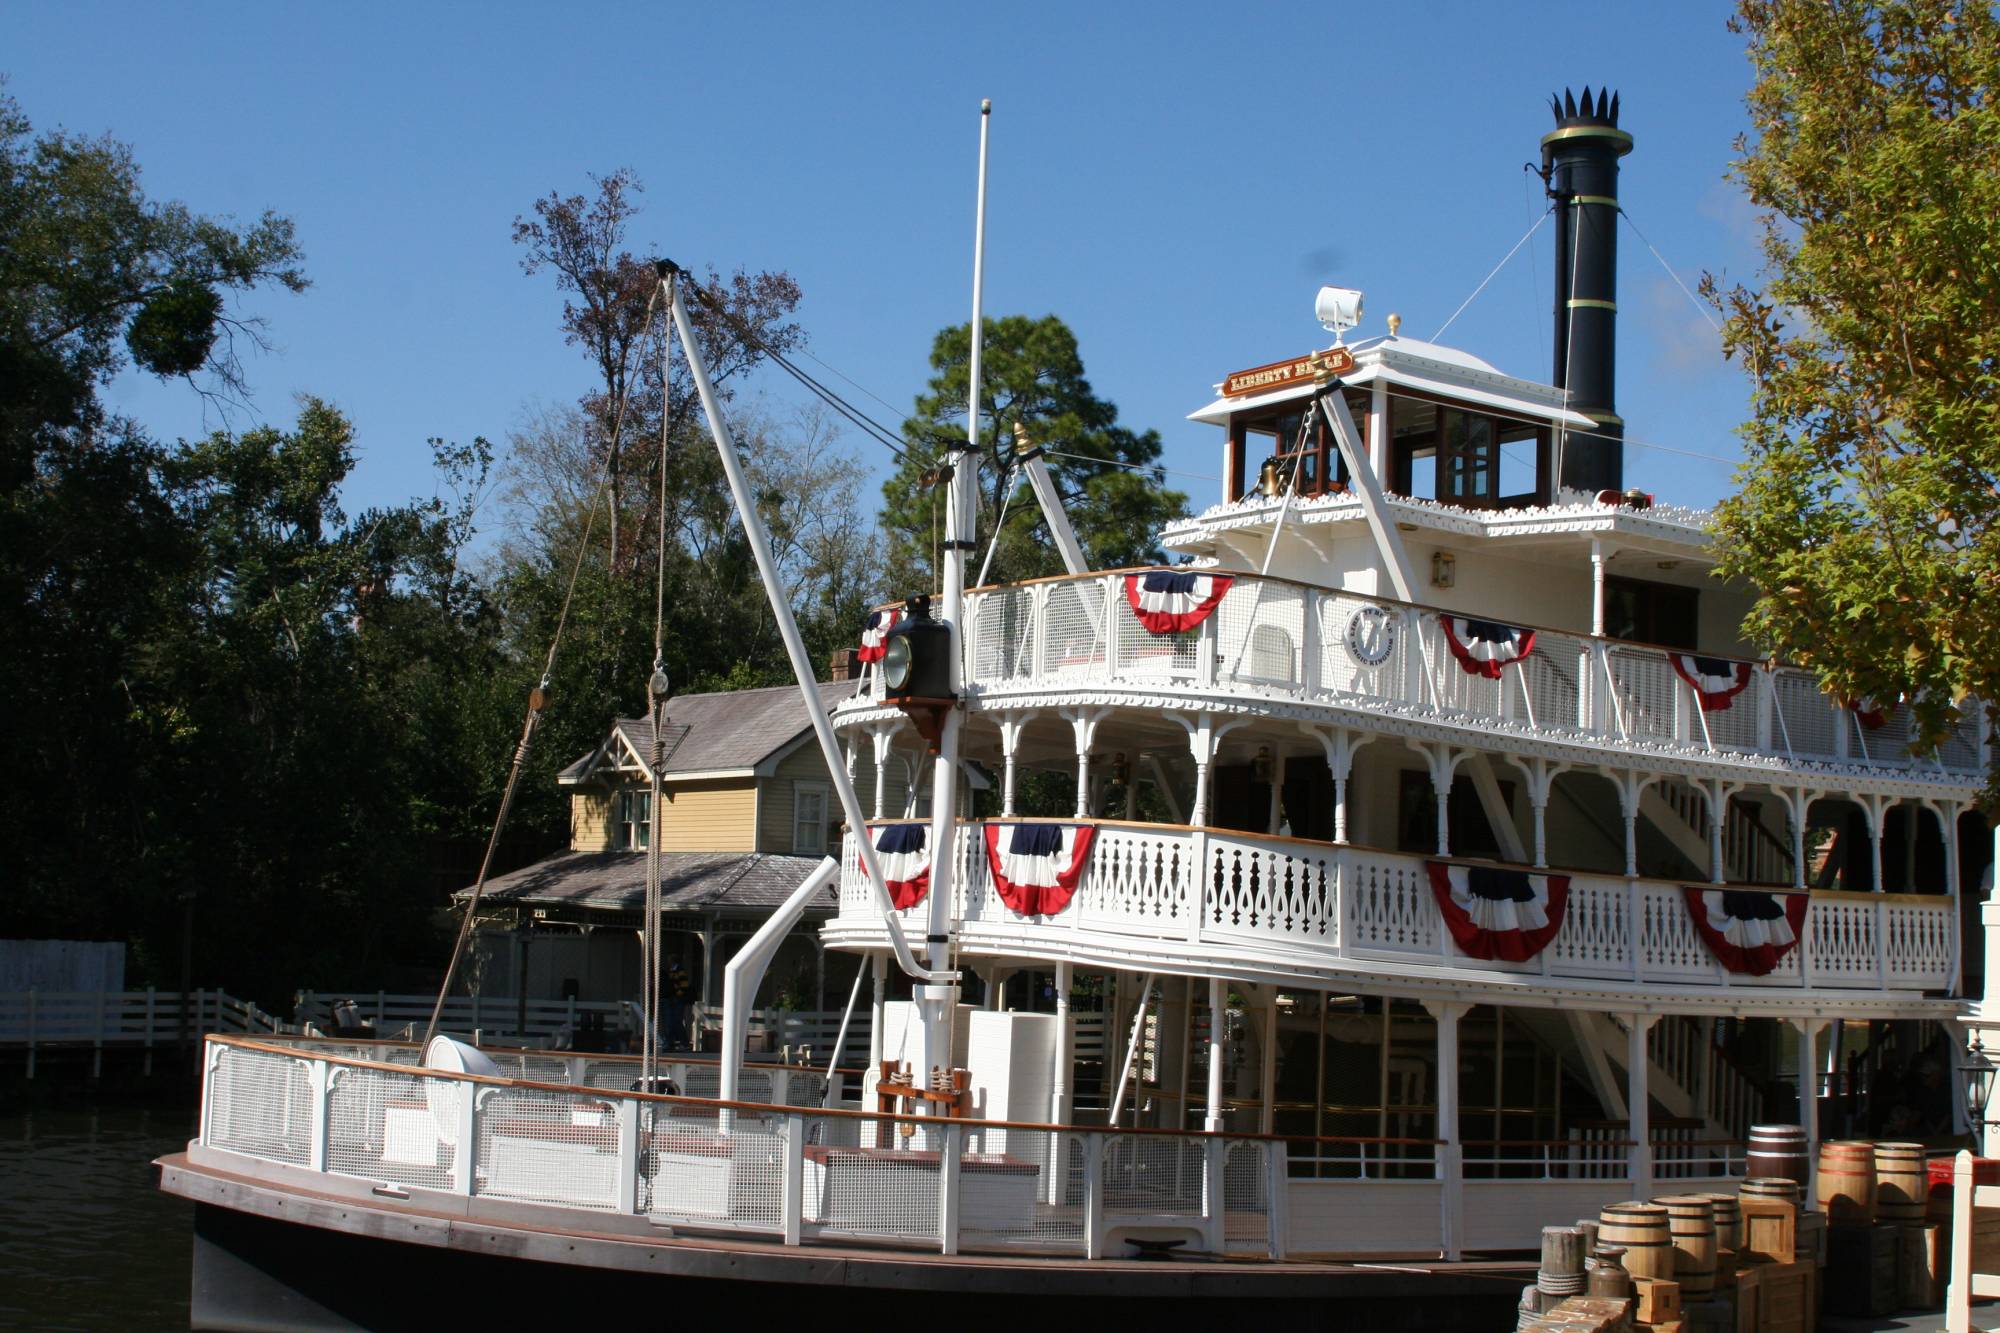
(737, 729)
(756, 882)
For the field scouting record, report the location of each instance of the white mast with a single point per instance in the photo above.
(935, 1002)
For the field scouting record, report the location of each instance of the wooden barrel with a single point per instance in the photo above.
(1847, 1182)
(1779, 1150)
(1641, 1228)
(1902, 1182)
(1691, 1224)
(1773, 1187)
(1728, 1222)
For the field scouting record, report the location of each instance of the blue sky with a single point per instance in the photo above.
(1173, 180)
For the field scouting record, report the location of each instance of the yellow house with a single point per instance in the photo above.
(748, 811)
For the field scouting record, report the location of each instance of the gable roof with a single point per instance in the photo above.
(754, 882)
(738, 733)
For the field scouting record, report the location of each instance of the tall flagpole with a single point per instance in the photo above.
(936, 1002)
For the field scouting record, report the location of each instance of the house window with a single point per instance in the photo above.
(634, 820)
(809, 818)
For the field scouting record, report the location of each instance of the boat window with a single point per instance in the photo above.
(1662, 613)
(1470, 459)
(1413, 434)
(1274, 436)
(1520, 462)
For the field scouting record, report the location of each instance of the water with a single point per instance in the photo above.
(87, 1240)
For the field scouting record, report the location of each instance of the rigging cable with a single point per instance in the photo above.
(1494, 274)
(656, 689)
(538, 702)
(1696, 301)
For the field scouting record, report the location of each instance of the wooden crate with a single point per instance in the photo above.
(1711, 1316)
(1770, 1229)
(1924, 1262)
(1861, 1270)
(1776, 1298)
(1659, 1300)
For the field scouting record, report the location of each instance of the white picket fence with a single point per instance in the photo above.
(146, 1019)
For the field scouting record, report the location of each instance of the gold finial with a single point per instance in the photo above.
(1395, 323)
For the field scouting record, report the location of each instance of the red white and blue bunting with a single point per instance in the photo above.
(1169, 601)
(1483, 647)
(1872, 712)
(1748, 931)
(1494, 912)
(906, 863)
(875, 632)
(1036, 866)
(1716, 681)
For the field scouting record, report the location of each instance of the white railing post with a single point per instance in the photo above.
(319, 1079)
(211, 1059)
(1277, 1198)
(631, 1157)
(1881, 910)
(1214, 1208)
(792, 1190)
(1208, 647)
(1767, 701)
(467, 1147)
(1958, 1292)
(950, 1142)
(1309, 644)
(1203, 881)
(1450, 1170)
(1094, 1230)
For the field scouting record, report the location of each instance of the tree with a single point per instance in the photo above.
(1867, 505)
(609, 311)
(1032, 376)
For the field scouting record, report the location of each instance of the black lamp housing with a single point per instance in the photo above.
(927, 643)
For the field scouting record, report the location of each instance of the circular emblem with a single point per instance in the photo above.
(1371, 636)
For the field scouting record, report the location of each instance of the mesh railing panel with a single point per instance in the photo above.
(381, 1126)
(1003, 643)
(1647, 689)
(1246, 1197)
(694, 1169)
(260, 1105)
(1804, 717)
(1261, 634)
(872, 1192)
(1155, 1176)
(1073, 633)
(546, 1147)
(1362, 648)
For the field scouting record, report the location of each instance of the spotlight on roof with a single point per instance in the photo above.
(1338, 309)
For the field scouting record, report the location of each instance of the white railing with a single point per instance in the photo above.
(145, 1019)
(1176, 887)
(1274, 638)
(769, 1169)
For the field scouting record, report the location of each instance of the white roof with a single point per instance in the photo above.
(1415, 364)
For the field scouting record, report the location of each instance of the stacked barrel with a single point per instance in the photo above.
(1883, 1255)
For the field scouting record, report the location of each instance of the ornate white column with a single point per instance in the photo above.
(1451, 1168)
(883, 736)
(1204, 735)
(1218, 1038)
(1876, 810)
(1083, 723)
(1011, 727)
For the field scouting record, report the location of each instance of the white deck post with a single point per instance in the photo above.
(1450, 1163)
(627, 1125)
(1202, 743)
(1958, 1294)
(1267, 1089)
(1218, 1032)
(1059, 1083)
(1083, 723)
(793, 1206)
(1093, 1196)
(1809, 1029)
(1214, 1206)
(1638, 1103)
(951, 1145)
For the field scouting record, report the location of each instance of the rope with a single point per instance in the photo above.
(657, 687)
(1490, 276)
(538, 702)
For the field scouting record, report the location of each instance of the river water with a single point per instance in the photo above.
(87, 1241)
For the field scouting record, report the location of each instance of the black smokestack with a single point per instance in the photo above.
(1580, 165)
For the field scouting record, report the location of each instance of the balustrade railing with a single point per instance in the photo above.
(1323, 902)
(1276, 638)
(790, 1171)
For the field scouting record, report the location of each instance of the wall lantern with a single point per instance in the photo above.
(1265, 766)
(1121, 770)
(1978, 1068)
(1444, 569)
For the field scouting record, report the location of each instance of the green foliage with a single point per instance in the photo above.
(1866, 510)
(1032, 377)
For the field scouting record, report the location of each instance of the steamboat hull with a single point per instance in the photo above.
(267, 1256)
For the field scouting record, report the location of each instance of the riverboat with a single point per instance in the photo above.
(1442, 860)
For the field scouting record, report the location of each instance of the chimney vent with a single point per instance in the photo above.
(1580, 167)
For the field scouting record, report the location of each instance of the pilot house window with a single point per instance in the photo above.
(1463, 458)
